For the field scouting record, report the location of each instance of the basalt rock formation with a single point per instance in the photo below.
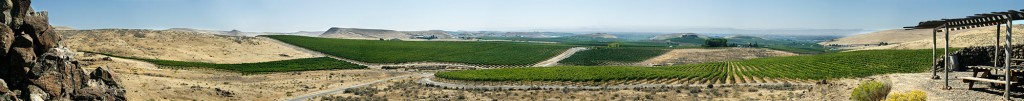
(35, 67)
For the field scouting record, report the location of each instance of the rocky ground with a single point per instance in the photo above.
(691, 56)
(144, 81)
(180, 45)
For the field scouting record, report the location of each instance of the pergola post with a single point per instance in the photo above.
(945, 67)
(995, 61)
(935, 46)
(1009, 41)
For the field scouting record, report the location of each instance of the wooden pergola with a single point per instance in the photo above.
(988, 72)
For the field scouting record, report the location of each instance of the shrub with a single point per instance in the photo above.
(870, 91)
(916, 95)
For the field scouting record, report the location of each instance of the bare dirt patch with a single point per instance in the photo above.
(692, 56)
(179, 45)
(144, 81)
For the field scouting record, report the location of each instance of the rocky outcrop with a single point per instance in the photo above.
(33, 65)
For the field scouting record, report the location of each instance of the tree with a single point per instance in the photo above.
(716, 42)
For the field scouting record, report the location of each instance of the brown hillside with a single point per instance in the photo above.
(179, 45)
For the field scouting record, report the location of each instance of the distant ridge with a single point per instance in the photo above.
(361, 33)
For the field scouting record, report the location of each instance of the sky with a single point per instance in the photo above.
(508, 15)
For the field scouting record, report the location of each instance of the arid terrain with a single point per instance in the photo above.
(179, 45)
(921, 38)
(983, 36)
(692, 56)
(145, 81)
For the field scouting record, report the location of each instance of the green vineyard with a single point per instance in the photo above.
(611, 56)
(812, 67)
(379, 51)
(305, 64)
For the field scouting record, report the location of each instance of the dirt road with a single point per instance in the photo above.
(554, 60)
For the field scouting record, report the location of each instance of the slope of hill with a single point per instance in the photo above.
(360, 33)
(897, 36)
(179, 45)
(509, 34)
(984, 36)
(435, 33)
(357, 33)
(479, 53)
(676, 35)
(599, 35)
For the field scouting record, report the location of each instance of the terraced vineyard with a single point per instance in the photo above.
(305, 64)
(377, 51)
(612, 56)
(762, 70)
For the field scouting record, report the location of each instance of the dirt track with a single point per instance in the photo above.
(554, 60)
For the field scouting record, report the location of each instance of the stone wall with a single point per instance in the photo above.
(981, 56)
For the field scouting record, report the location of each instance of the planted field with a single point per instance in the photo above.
(304, 64)
(377, 51)
(762, 70)
(612, 56)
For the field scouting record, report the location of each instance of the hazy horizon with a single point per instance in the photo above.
(562, 15)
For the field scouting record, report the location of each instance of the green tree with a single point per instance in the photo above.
(716, 42)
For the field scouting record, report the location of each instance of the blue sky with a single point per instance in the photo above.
(518, 15)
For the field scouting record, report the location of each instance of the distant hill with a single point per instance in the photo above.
(63, 28)
(509, 34)
(598, 35)
(982, 36)
(677, 35)
(360, 33)
(228, 33)
(888, 36)
(744, 37)
(436, 33)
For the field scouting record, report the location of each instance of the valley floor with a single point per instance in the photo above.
(836, 90)
(145, 81)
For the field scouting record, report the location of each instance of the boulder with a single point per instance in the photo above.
(3, 87)
(105, 76)
(6, 39)
(102, 85)
(34, 66)
(57, 73)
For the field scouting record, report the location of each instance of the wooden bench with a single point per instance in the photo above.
(970, 81)
(1012, 68)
